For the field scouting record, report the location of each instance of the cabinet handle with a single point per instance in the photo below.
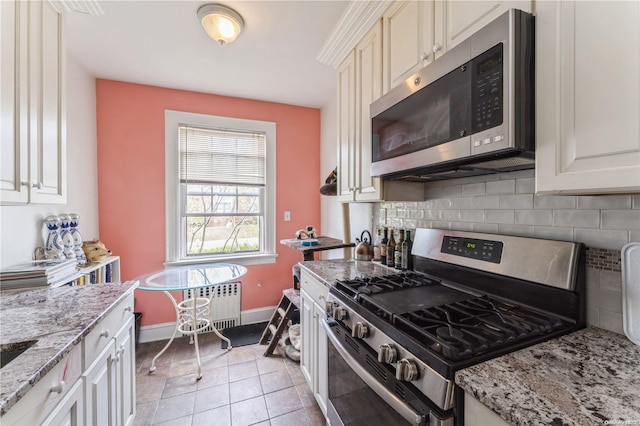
(38, 185)
(127, 308)
(424, 56)
(105, 334)
(437, 47)
(58, 388)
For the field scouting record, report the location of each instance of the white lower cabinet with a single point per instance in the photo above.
(70, 410)
(92, 385)
(109, 382)
(314, 353)
(55, 398)
(478, 414)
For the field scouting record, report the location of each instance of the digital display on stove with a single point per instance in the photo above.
(487, 250)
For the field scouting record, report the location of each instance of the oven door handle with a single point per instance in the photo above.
(398, 405)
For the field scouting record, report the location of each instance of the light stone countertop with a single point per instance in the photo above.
(589, 377)
(328, 271)
(58, 319)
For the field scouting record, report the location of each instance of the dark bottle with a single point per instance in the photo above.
(391, 248)
(383, 247)
(397, 254)
(407, 258)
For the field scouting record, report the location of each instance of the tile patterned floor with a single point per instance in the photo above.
(238, 387)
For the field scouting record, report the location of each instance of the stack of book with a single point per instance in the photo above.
(38, 273)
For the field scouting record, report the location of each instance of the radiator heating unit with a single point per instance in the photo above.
(225, 304)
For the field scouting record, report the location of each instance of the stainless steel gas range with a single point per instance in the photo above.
(396, 341)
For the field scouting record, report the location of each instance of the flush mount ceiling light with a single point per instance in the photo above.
(221, 23)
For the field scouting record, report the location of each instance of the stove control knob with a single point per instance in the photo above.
(329, 306)
(339, 313)
(360, 330)
(406, 370)
(387, 354)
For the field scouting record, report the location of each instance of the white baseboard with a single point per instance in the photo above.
(252, 316)
(155, 332)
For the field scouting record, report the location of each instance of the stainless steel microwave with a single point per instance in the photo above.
(470, 112)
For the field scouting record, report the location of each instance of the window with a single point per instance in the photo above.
(220, 189)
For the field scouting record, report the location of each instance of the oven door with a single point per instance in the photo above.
(359, 388)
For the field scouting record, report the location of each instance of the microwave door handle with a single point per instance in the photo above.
(403, 409)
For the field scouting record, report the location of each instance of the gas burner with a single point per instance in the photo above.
(465, 328)
(449, 334)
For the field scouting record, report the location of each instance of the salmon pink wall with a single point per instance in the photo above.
(131, 186)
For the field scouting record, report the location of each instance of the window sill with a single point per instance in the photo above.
(245, 260)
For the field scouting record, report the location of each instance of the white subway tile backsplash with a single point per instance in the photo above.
(525, 185)
(634, 236)
(520, 201)
(611, 281)
(450, 215)
(465, 203)
(500, 216)
(518, 230)
(611, 321)
(555, 202)
(452, 191)
(577, 218)
(501, 187)
(472, 215)
(635, 201)
(593, 316)
(473, 189)
(487, 202)
(608, 239)
(603, 202)
(551, 233)
(621, 219)
(534, 217)
(489, 228)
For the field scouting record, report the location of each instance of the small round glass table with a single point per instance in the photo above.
(194, 314)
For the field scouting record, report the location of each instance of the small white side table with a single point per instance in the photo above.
(192, 315)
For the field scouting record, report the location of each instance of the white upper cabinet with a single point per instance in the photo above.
(346, 127)
(408, 40)
(33, 103)
(588, 97)
(359, 84)
(456, 20)
(368, 89)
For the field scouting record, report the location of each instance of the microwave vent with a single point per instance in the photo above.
(499, 165)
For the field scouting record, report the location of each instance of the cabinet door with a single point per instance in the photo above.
(321, 388)
(14, 149)
(100, 388)
(346, 127)
(456, 20)
(408, 37)
(588, 97)
(307, 325)
(368, 89)
(70, 411)
(47, 71)
(126, 383)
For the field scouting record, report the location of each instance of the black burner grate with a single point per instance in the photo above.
(474, 326)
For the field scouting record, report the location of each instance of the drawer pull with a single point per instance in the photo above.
(127, 308)
(58, 388)
(105, 334)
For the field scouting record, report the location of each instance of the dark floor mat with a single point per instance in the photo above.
(243, 335)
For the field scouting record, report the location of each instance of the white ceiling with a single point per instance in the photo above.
(162, 43)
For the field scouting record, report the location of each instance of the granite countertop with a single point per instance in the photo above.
(58, 319)
(591, 376)
(328, 271)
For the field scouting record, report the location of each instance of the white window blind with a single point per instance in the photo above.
(221, 156)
